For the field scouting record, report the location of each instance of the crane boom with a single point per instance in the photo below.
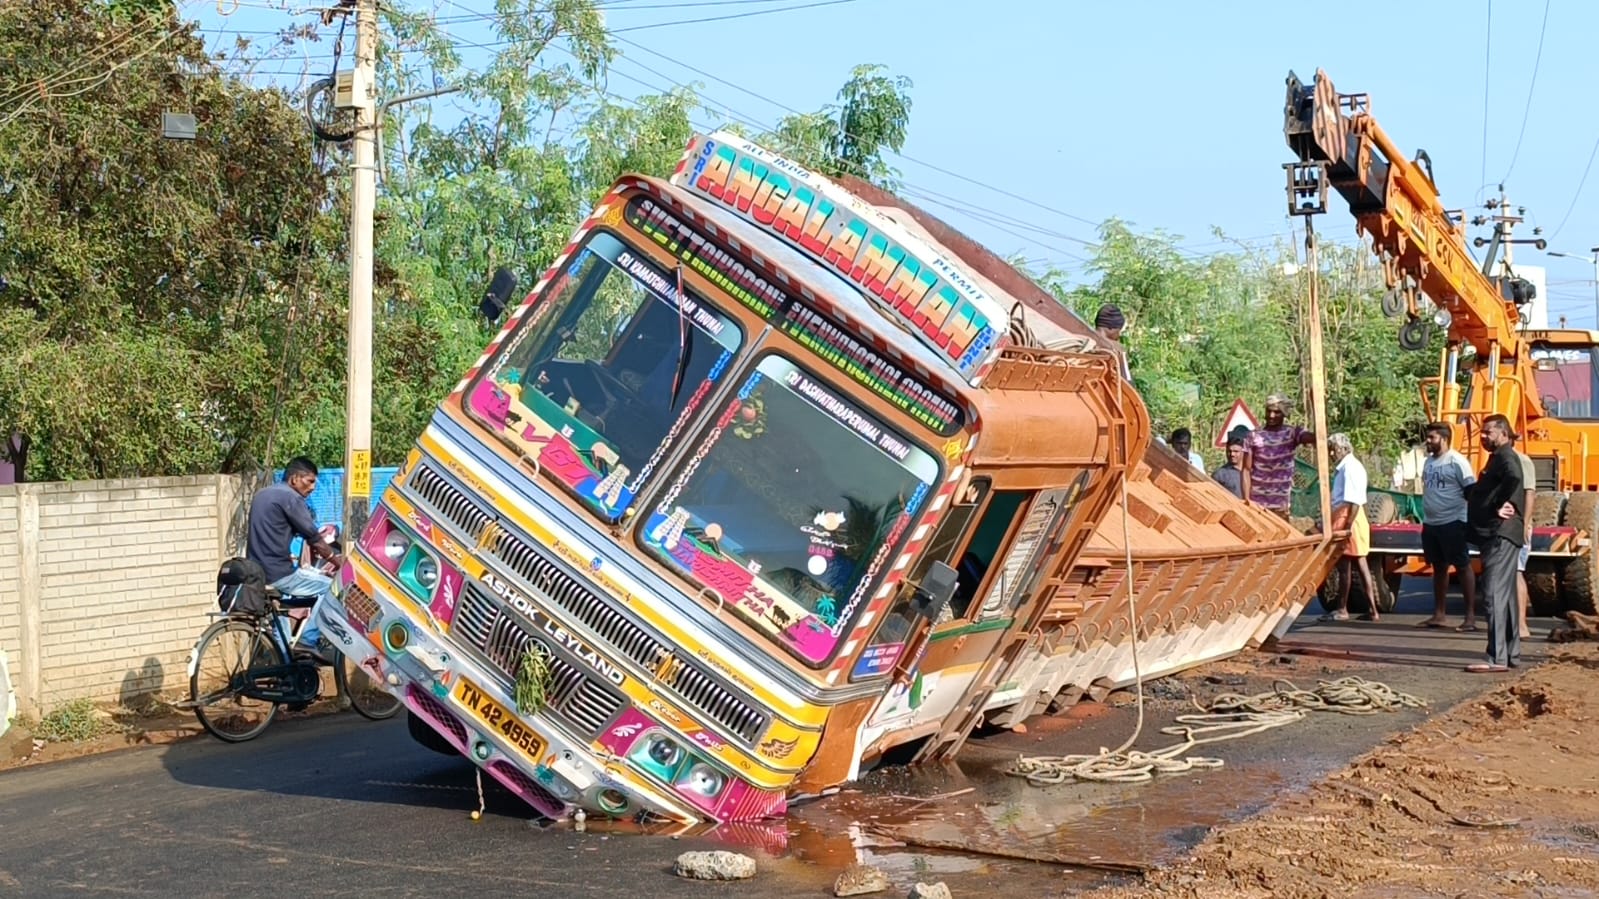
(1424, 258)
(1422, 245)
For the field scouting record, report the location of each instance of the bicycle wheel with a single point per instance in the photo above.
(366, 695)
(228, 648)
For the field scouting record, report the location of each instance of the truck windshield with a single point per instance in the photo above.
(790, 506)
(597, 380)
(1566, 380)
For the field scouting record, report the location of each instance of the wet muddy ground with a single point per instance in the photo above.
(1492, 790)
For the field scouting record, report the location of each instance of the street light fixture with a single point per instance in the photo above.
(1592, 259)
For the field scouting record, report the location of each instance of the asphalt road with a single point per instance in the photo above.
(331, 805)
(336, 805)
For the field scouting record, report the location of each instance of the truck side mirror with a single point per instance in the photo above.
(498, 295)
(935, 591)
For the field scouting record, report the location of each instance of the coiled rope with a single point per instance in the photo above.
(1228, 717)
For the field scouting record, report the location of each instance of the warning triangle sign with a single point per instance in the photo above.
(1240, 415)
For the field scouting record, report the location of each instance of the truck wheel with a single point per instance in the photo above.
(1381, 509)
(1358, 603)
(1548, 510)
(1543, 587)
(423, 733)
(1387, 589)
(1579, 579)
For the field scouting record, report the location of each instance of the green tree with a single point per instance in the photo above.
(148, 286)
(1206, 330)
(872, 116)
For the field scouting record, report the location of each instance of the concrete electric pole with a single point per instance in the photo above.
(363, 198)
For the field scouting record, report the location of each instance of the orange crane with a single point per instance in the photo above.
(1489, 363)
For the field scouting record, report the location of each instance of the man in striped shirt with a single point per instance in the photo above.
(1269, 457)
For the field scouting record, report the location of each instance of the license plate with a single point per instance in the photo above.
(497, 717)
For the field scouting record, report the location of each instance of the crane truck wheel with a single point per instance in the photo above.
(1548, 508)
(1381, 509)
(1543, 575)
(1579, 580)
(1387, 590)
(1543, 588)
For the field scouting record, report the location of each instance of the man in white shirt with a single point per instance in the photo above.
(1182, 443)
(1349, 513)
(1445, 477)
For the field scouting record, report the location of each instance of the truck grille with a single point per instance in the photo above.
(691, 682)
(577, 700)
(460, 509)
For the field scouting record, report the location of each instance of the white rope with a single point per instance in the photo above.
(1228, 717)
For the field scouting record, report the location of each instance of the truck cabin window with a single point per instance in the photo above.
(791, 507)
(590, 384)
(1566, 380)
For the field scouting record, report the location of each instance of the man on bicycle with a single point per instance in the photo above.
(278, 514)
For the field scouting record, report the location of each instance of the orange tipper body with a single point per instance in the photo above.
(761, 480)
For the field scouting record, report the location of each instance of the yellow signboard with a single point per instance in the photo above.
(360, 473)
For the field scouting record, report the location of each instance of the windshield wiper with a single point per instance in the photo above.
(685, 347)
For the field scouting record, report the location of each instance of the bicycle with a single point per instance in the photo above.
(259, 673)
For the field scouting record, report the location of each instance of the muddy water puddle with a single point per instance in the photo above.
(971, 823)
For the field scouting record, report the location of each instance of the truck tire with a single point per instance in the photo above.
(1381, 509)
(423, 733)
(1548, 510)
(1579, 579)
(1543, 587)
(1387, 590)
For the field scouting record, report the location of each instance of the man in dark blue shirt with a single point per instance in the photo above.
(1231, 475)
(1495, 510)
(278, 514)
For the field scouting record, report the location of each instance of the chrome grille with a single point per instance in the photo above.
(459, 508)
(691, 682)
(571, 696)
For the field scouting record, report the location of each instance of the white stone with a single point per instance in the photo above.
(714, 866)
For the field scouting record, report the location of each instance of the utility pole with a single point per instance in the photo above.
(363, 198)
(1307, 198)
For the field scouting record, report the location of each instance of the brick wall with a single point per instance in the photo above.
(10, 584)
(109, 583)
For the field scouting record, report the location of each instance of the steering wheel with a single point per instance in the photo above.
(605, 381)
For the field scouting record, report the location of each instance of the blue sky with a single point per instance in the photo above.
(1165, 114)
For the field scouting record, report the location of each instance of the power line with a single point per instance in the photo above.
(907, 158)
(989, 216)
(765, 99)
(41, 87)
(619, 5)
(698, 21)
(1527, 107)
(1578, 195)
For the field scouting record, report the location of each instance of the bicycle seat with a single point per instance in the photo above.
(291, 602)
